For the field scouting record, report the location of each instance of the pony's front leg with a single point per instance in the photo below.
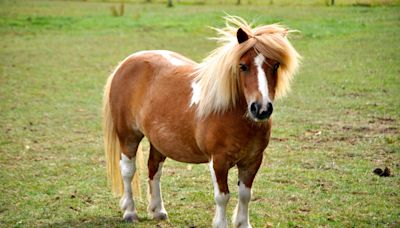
(219, 174)
(156, 206)
(128, 169)
(247, 173)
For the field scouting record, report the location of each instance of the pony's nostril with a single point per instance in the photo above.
(254, 107)
(267, 113)
(270, 108)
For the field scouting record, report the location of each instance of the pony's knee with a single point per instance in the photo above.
(128, 167)
(244, 193)
(221, 198)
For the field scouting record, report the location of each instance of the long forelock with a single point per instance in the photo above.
(216, 76)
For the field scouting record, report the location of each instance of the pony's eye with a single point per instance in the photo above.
(243, 67)
(275, 68)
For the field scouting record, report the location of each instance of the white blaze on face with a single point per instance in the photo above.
(262, 81)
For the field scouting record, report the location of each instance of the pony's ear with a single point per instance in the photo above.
(241, 36)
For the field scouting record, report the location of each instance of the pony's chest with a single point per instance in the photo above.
(234, 141)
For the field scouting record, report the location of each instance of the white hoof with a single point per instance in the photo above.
(157, 213)
(130, 216)
(160, 216)
(243, 224)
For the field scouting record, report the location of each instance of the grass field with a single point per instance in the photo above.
(339, 123)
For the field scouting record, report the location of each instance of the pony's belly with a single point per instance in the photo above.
(181, 153)
(186, 156)
(177, 146)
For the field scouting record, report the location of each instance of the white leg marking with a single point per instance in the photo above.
(156, 205)
(195, 94)
(262, 81)
(221, 200)
(241, 214)
(127, 204)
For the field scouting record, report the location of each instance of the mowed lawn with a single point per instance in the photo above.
(339, 123)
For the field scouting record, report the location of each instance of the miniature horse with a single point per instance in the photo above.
(216, 112)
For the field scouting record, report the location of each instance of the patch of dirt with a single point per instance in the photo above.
(261, 199)
(317, 140)
(351, 134)
(390, 130)
(312, 132)
(359, 193)
(352, 140)
(41, 158)
(279, 139)
(360, 129)
(373, 129)
(304, 210)
(385, 119)
(283, 181)
(323, 185)
(87, 200)
(74, 209)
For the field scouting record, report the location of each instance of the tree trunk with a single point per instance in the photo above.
(122, 9)
(238, 2)
(170, 3)
(333, 2)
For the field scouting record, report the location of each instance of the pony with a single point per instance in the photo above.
(216, 112)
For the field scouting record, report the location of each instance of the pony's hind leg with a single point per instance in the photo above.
(156, 206)
(128, 169)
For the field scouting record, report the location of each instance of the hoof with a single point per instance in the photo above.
(130, 217)
(160, 216)
(241, 224)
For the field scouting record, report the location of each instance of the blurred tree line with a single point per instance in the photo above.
(119, 11)
(171, 3)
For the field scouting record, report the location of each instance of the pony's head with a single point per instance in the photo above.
(256, 64)
(257, 76)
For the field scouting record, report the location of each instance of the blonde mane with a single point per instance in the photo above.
(217, 77)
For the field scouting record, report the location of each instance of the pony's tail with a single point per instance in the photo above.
(113, 151)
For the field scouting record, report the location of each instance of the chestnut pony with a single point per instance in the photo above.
(217, 112)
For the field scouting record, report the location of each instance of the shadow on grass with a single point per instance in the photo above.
(100, 221)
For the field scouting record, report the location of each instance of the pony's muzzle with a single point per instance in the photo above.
(260, 114)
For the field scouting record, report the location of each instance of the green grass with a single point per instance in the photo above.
(340, 121)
